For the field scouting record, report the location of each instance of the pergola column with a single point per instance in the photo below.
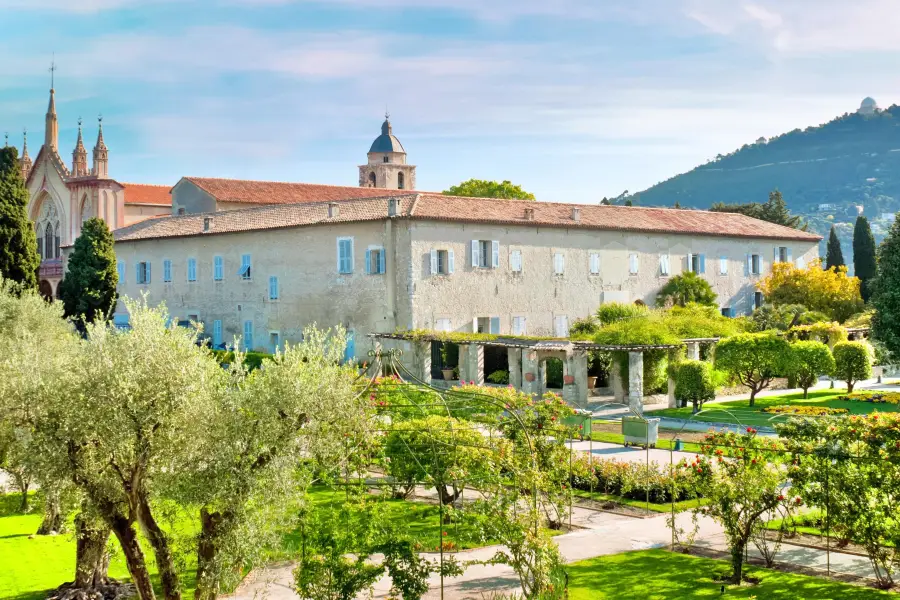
(693, 350)
(636, 381)
(672, 402)
(421, 356)
(471, 363)
(531, 373)
(575, 374)
(514, 358)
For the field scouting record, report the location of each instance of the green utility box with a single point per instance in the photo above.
(582, 421)
(640, 432)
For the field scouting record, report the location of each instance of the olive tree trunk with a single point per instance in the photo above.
(91, 557)
(53, 518)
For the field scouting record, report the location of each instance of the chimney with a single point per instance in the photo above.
(207, 223)
(529, 214)
(392, 207)
(334, 210)
(576, 213)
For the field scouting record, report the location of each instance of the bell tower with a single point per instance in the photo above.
(386, 167)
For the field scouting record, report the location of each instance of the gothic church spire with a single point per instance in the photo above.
(51, 125)
(79, 156)
(101, 154)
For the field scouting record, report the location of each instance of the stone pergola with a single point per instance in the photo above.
(526, 362)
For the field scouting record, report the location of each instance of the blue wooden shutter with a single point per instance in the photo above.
(790, 256)
(476, 247)
(148, 279)
(495, 254)
(381, 261)
(350, 349)
(450, 261)
(368, 262)
(703, 263)
(495, 325)
(434, 261)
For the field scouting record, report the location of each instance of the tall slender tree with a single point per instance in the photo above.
(19, 260)
(89, 288)
(886, 292)
(834, 256)
(864, 265)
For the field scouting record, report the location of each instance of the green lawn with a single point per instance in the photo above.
(663, 575)
(660, 508)
(740, 412)
(665, 442)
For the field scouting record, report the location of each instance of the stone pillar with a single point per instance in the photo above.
(693, 350)
(575, 374)
(514, 358)
(672, 402)
(471, 363)
(615, 381)
(531, 375)
(421, 355)
(636, 381)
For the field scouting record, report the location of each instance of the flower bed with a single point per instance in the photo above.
(633, 480)
(875, 397)
(806, 411)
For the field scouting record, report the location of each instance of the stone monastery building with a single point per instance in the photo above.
(260, 261)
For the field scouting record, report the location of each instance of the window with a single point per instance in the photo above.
(120, 270)
(485, 254)
(754, 264)
(782, 254)
(697, 263)
(180, 210)
(40, 243)
(443, 325)
(442, 262)
(723, 265)
(345, 255)
(632, 264)
(727, 311)
(375, 261)
(274, 341)
(594, 263)
(386, 159)
(757, 299)
(245, 269)
(559, 263)
(218, 268)
(192, 269)
(167, 271)
(519, 326)
(143, 272)
(400, 181)
(664, 265)
(217, 333)
(515, 261)
(273, 288)
(56, 241)
(248, 335)
(48, 242)
(372, 178)
(561, 326)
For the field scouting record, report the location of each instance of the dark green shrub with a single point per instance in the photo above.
(499, 377)
(853, 362)
(554, 369)
(693, 383)
(252, 360)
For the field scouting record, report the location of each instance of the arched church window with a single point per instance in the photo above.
(48, 241)
(372, 179)
(400, 181)
(56, 241)
(86, 210)
(39, 233)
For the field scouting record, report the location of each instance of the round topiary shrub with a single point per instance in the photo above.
(853, 362)
(693, 383)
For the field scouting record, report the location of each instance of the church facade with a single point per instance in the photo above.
(63, 196)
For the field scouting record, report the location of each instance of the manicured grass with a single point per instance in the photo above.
(663, 444)
(741, 413)
(663, 575)
(653, 507)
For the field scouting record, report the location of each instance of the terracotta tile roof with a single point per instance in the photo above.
(438, 207)
(274, 192)
(261, 218)
(622, 218)
(142, 193)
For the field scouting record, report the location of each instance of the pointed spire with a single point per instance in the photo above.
(79, 156)
(51, 125)
(25, 161)
(101, 154)
(6, 139)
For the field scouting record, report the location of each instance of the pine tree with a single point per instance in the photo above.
(885, 289)
(864, 266)
(19, 260)
(677, 204)
(89, 288)
(628, 203)
(776, 211)
(834, 256)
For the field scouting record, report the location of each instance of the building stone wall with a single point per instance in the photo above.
(186, 195)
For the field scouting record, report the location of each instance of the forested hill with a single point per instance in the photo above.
(852, 160)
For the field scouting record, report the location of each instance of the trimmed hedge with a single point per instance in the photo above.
(633, 480)
(808, 411)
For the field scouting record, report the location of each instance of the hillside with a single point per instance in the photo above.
(824, 173)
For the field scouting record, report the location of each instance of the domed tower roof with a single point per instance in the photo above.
(387, 141)
(869, 101)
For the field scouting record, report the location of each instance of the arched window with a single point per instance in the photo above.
(387, 158)
(56, 241)
(48, 241)
(39, 233)
(86, 210)
(400, 181)
(372, 179)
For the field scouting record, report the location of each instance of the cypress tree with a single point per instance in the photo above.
(834, 256)
(864, 265)
(89, 288)
(886, 292)
(19, 260)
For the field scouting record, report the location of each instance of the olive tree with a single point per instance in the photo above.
(853, 362)
(809, 360)
(754, 358)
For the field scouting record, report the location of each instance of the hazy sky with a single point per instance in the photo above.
(573, 99)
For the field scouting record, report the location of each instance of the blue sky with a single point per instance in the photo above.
(572, 99)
